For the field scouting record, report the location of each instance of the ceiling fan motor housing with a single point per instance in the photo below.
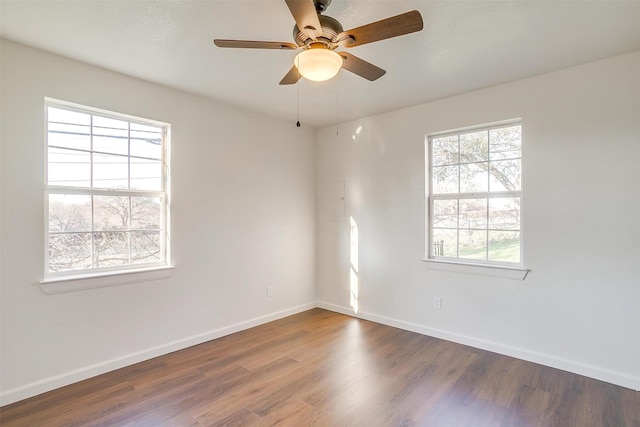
(330, 30)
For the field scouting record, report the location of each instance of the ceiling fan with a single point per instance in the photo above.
(318, 36)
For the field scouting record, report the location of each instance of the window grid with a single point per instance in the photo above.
(151, 201)
(492, 156)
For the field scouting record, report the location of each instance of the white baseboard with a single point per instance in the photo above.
(51, 383)
(590, 371)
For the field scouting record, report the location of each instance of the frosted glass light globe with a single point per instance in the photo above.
(318, 65)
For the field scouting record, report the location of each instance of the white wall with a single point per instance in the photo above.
(244, 212)
(243, 218)
(579, 308)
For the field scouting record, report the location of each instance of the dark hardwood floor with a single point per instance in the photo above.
(325, 369)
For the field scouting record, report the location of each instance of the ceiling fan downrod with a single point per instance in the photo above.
(321, 5)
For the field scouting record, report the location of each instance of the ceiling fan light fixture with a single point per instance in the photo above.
(318, 65)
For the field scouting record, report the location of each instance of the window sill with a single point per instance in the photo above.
(502, 272)
(62, 284)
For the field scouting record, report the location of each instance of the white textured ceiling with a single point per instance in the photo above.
(465, 45)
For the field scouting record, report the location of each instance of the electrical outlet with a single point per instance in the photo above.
(269, 291)
(437, 302)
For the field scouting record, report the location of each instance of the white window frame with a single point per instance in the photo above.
(64, 281)
(507, 270)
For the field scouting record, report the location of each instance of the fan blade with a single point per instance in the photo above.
(292, 77)
(254, 44)
(361, 67)
(395, 26)
(304, 12)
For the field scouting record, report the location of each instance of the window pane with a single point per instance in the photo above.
(111, 248)
(110, 213)
(68, 129)
(504, 213)
(444, 150)
(466, 171)
(146, 213)
(445, 243)
(145, 247)
(69, 213)
(473, 244)
(67, 116)
(473, 214)
(474, 147)
(445, 179)
(69, 251)
(146, 174)
(110, 135)
(111, 144)
(69, 168)
(110, 171)
(505, 142)
(93, 228)
(473, 178)
(504, 246)
(445, 213)
(69, 136)
(146, 141)
(505, 175)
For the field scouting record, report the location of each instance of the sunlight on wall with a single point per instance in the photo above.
(357, 133)
(353, 276)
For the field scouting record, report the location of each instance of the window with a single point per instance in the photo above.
(106, 192)
(475, 195)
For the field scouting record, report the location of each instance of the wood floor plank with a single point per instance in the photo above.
(232, 416)
(239, 395)
(320, 368)
(292, 412)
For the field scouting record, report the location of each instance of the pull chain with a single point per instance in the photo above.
(298, 88)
